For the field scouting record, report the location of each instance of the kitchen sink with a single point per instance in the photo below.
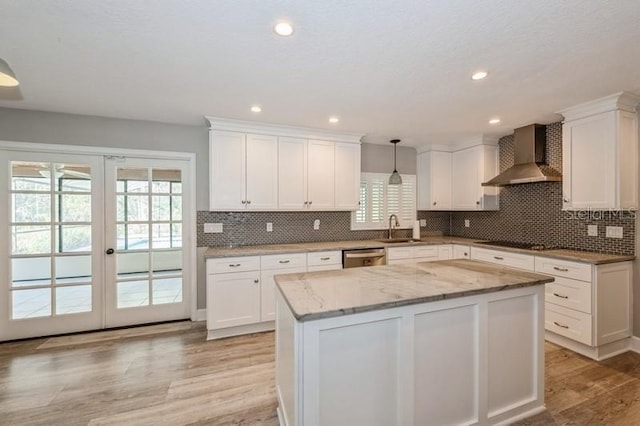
(397, 240)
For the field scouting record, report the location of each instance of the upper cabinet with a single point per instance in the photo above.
(433, 170)
(254, 166)
(600, 154)
(471, 167)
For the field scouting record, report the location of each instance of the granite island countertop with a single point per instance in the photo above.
(317, 295)
(267, 249)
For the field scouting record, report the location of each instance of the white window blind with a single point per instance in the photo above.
(378, 200)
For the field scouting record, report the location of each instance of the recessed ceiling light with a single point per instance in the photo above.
(256, 108)
(333, 120)
(284, 29)
(479, 75)
(494, 121)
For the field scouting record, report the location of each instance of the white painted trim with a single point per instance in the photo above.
(624, 101)
(634, 344)
(597, 353)
(232, 125)
(241, 329)
(460, 145)
(136, 153)
(201, 315)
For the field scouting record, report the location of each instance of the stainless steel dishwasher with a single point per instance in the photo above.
(363, 257)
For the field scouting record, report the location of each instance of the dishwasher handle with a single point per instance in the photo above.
(360, 255)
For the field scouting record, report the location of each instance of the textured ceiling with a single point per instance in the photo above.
(386, 68)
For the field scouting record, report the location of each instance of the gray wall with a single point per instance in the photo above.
(379, 159)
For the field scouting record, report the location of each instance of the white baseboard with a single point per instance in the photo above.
(201, 315)
(634, 344)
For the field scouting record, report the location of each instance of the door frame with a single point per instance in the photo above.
(191, 246)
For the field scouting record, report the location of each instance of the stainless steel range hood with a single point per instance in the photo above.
(530, 166)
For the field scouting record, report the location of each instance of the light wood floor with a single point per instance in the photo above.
(169, 374)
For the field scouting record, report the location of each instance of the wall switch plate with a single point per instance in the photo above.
(613, 231)
(592, 230)
(212, 228)
(316, 224)
(423, 222)
(269, 227)
(467, 223)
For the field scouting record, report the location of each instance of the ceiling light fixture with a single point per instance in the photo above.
(7, 77)
(494, 121)
(283, 29)
(395, 178)
(256, 108)
(333, 120)
(479, 75)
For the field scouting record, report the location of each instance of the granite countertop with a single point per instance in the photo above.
(563, 254)
(316, 295)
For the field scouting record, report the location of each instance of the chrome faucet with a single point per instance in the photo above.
(393, 223)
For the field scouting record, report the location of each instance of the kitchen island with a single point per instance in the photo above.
(451, 342)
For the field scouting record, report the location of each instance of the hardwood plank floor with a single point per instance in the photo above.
(168, 374)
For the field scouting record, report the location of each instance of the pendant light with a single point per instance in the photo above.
(395, 178)
(7, 77)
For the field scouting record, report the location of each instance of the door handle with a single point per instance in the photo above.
(498, 258)
(110, 251)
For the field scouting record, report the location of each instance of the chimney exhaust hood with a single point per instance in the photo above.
(529, 145)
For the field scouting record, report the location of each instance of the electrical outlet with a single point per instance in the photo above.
(269, 227)
(423, 222)
(316, 224)
(467, 223)
(213, 228)
(592, 230)
(613, 231)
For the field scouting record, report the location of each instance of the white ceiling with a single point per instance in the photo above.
(390, 69)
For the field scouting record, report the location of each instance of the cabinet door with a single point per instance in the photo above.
(233, 299)
(460, 252)
(465, 183)
(445, 252)
(227, 170)
(321, 175)
(262, 172)
(347, 176)
(588, 162)
(268, 291)
(441, 180)
(292, 173)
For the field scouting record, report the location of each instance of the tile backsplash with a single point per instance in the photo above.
(529, 213)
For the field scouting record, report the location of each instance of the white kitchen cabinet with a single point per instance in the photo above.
(433, 170)
(504, 258)
(324, 261)
(347, 176)
(244, 171)
(321, 175)
(233, 298)
(600, 154)
(271, 266)
(418, 253)
(588, 307)
(461, 252)
(292, 173)
(470, 168)
(445, 252)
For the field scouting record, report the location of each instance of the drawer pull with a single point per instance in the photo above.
(284, 261)
(325, 258)
(560, 296)
(256, 281)
(560, 325)
(498, 258)
(560, 269)
(234, 265)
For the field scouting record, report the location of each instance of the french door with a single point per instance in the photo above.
(88, 242)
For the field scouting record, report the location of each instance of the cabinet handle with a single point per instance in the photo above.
(560, 325)
(248, 201)
(234, 265)
(498, 258)
(310, 202)
(466, 254)
(244, 202)
(284, 261)
(306, 202)
(477, 203)
(560, 269)
(435, 202)
(560, 296)
(325, 258)
(256, 281)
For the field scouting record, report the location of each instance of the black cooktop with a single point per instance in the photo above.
(511, 244)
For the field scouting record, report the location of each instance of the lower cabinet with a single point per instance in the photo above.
(414, 254)
(241, 290)
(461, 252)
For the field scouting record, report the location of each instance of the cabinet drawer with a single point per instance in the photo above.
(325, 267)
(282, 261)
(564, 268)
(396, 253)
(223, 265)
(569, 323)
(513, 260)
(426, 253)
(322, 258)
(569, 293)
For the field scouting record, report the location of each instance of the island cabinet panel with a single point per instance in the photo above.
(455, 362)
